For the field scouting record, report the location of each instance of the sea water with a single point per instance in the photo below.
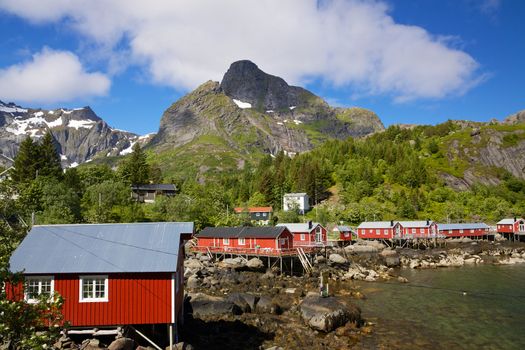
(478, 307)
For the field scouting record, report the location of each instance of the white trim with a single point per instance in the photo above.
(81, 298)
(226, 241)
(239, 241)
(39, 279)
(173, 295)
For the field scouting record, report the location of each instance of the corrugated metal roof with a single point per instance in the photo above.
(508, 221)
(295, 194)
(421, 223)
(463, 226)
(100, 248)
(343, 228)
(300, 227)
(376, 224)
(236, 232)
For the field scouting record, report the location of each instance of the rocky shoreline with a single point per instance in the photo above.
(284, 311)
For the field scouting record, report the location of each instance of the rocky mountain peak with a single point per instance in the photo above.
(245, 82)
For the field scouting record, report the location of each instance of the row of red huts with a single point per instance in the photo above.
(286, 237)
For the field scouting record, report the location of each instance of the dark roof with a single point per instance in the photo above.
(154, 187)
(100, 248)
(236, 232)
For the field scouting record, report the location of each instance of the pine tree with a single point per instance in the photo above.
(48, 163)
(135, 170)
(25, 166)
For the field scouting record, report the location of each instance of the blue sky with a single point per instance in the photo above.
(419, 61)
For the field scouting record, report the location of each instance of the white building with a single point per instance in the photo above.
(296, 201)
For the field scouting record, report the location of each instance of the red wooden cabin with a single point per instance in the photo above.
(309, 234)
(246, 240)
(463, 230)
(345, 233)
(511, 227)
(108, 274)
(379, 230)
(419, 229)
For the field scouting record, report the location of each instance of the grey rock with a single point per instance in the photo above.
(338, 259)
(255, 264)
(193, 282)
(203, 305)
(265, 305)
(327, 314)
(392, 261)
(122, 344)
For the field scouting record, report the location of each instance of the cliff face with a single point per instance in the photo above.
(80, 134)
(252, 111)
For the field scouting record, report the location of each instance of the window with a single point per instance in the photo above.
(471, 231)
(413, 230)
(449, 231)
(303, 236)
(226, 241)
(385, 231)
(371, 231)
(378, 232)
(264, 214)
(93, 288)
(241, 241)
(421, 230)
(460, 231)
(257, 214)
(38, 285)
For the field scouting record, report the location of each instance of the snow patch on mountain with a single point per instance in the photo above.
(87, 124)
(242, 105)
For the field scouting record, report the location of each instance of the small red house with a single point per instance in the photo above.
(307, 235)
(511, 227)
(256, 240)
(419, 229)
(259, 215)
(344, 233)
(108, 274)
(379, 230)
(463, 230)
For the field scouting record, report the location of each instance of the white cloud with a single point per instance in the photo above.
(352, 43)
(50, 76)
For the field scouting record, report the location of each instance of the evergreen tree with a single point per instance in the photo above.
(25, 165)
(135, 170)
(48, 162)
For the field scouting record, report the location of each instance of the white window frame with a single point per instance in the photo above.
(461, 231)
(39, 279)
(81, 298)
(421, 230)
(471, 230)
(303, 237)
(241, 241)
(226, 241)
(378, 232)
(413, 230)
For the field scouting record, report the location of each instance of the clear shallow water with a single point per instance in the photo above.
(431, 311)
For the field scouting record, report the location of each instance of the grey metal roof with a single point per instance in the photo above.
(299, 227)
(377, 224)
(420, 223)
(295, 194)
(508, 221)
(342, 228)
(100, 248)
(154, 187)
(463, 226)
(236, 232)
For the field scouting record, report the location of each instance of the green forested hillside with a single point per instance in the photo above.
(401, 173)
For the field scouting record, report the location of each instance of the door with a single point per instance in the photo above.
(522, 227)
(318, 235)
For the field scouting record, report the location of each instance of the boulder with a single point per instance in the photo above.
(392, 260)
(327, 314)
(203, 305)
(319, 259)
(338, 259)
(193, 264)
(122, 344)
(239, 300)
(235, 264)
(364, 249)
(388, 252)
(265, 305)
(193, 282)
(255, 264)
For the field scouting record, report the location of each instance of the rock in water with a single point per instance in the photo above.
(326, 314)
